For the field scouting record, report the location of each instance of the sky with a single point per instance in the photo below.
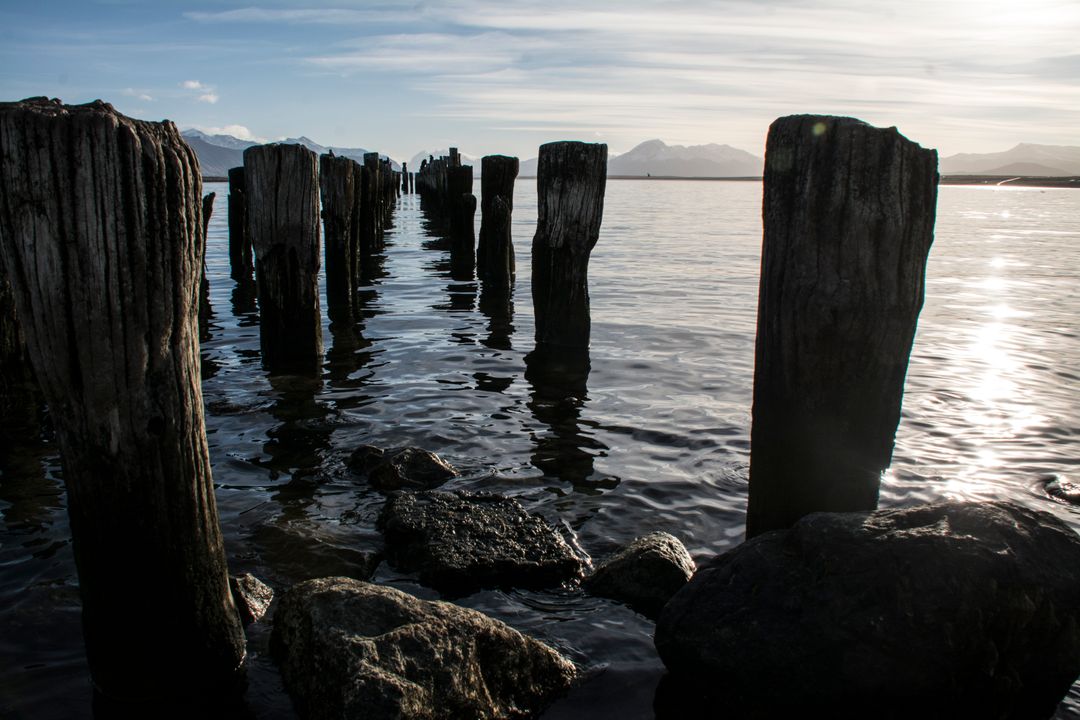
(503, 76)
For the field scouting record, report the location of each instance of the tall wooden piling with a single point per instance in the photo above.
(570, 184)
(282, 189)
(495, 248)
(404, 178)
(339, 182)
(461, 207)
(848, 218)
(241, 261)
(370, 215)
(100, 234)
(205, 311)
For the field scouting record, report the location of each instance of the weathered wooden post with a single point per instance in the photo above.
(339, 179)
(412, 183)
(101, 236)
(461, 205)
(282, 189)
(370, 215)
(848, 219)
(205, 310)
(404, 178)
(570, 184)
(17, 395)
(497, 175)
(242, 264)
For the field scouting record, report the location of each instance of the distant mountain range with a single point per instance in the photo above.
(218, 153)
(1024, 159)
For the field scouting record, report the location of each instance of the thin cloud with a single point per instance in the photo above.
(240, 132)
(316, 16)
(132, 92)
(192, 85)
(209, 97)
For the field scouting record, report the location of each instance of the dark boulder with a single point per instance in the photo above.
(460, 542)
(252, 597)
(644, 574)
(350, 649)
(945, 610)
(409, 468)
(1061, 489)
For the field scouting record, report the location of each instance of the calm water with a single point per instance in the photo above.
(659, 439)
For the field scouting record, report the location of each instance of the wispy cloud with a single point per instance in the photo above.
(319, 16)
(204, 93)
(138, 94)
(240, 132)
(210, 97)
(192, 85)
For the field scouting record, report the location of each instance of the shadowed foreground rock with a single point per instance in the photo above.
(460, 542)
(644, 574)
(350, 649)
(946, 610)
(252, 597)
(410, 468)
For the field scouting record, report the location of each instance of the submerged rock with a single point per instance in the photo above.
(252, 597)
(350, 649)
(402, 468)
(460, 542)
(1062, 489)
(945, 610)
(644, 574)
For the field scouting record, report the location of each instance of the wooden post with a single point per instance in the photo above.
(405, 178)
(461, 205)
(339, 179)
(101, 233)
(498, 275)
(497, 175)
(412, 183)
(849, 218)
(282, 191)
(570, 183)
(370, 213)
(242, 264)
(205, 310)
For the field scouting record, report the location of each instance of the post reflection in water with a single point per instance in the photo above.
(559, 391)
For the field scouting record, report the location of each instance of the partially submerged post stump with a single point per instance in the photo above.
(405, 178)
(339, 182)
(570, 183)
(99, 228)
(849, 218)
(370, 221)
(242, 264)
(498, 275)
(282, 189)
(497, 175)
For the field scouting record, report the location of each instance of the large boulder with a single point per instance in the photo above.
(945, 610)
(462, 541)
(644, 574)
(350, 649)
(410, 468)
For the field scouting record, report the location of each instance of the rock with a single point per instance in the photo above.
(460, 542)
(1062, 489)
(644, 574)
(404, 468)
(945, 610)
(350, 649)
(252, 597)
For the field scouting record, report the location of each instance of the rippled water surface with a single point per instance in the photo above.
(658, 439)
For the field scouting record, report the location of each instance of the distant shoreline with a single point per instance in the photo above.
(1000, 180)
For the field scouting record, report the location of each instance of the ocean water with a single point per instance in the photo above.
(658, 439)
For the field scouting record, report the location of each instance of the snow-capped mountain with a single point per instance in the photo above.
(218, 153)
(658, 159)
(1024, 159)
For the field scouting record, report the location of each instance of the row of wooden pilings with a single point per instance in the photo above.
(102, 235)
(274, 221)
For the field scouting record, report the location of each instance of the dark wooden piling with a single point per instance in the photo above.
(282, 191)
(100, 234)
(370, 213)
(848, 218)
(404, 178)
(570, 184)
(339, 181)
(205, 310)
(461, 207)
(497, 176)
(412, 183)
(241, 261)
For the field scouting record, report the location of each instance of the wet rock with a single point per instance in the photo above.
(252, 597)
(1062, 489)
(350, 649)
(403, 468)
(296, 555)
(945, 610)
(644, 574)
(460, 542)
